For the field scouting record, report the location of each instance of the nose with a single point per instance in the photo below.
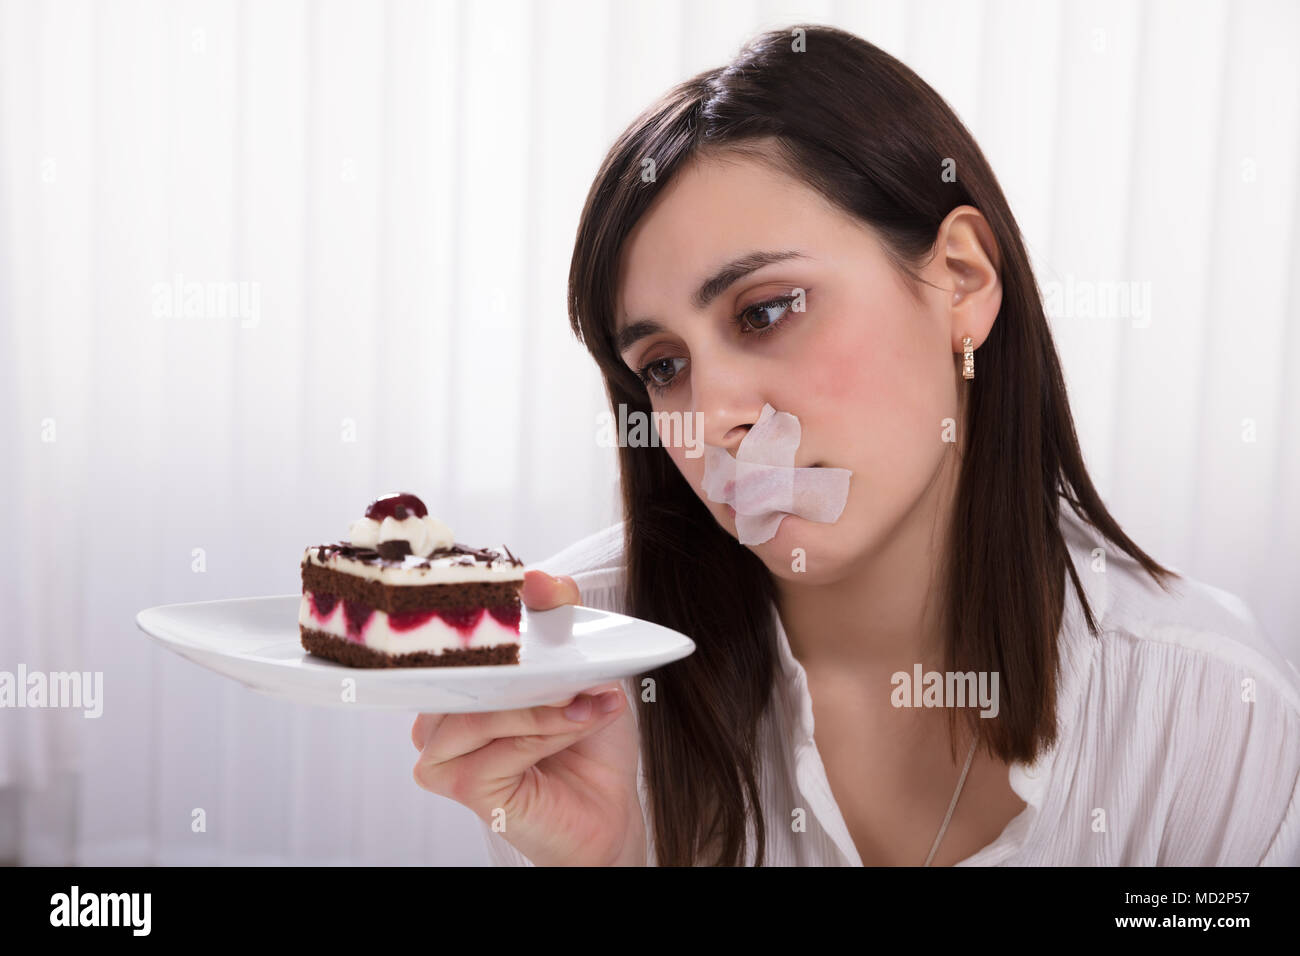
(727, 399)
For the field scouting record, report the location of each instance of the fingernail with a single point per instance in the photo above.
(608, 701)
(580, 709)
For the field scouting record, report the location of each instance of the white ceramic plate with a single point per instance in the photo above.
(563, 651)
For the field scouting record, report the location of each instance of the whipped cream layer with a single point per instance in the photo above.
(423, 535)
(375, 630)
(413, 569)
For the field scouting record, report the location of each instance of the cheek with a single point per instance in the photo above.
(887, 390)
(840, 374)
(851, 371)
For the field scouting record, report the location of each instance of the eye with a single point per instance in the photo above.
(651, 380)
(765, 308)
(762, 310)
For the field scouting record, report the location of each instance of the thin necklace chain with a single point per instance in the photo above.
(953, 805)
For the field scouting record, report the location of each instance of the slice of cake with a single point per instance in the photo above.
(401, 593)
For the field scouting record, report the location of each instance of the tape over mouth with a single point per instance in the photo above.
(763, 485)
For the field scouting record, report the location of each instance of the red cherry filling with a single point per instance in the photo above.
(408, 620)
(357, 616)
(507, 615)
(398, 506)
(323, 604)
(462, 619)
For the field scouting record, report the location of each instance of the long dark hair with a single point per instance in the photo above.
(866, 132)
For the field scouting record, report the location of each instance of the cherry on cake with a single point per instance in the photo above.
(401, 593)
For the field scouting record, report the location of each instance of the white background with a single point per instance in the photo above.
(402, 181)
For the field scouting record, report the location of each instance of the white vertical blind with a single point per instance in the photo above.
(394, 188)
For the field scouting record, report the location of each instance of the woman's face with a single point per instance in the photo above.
(869, 372)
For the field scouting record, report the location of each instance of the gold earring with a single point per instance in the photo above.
(968, 357)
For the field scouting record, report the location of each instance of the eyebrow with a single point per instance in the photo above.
(709, 289)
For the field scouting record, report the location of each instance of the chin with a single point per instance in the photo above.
(821, 551)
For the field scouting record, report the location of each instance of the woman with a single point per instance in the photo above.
(811, 228)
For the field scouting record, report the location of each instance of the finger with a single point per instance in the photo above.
(542, 591)
(601, 688)
(460, 734)
(592, 691)
(425, 724)
(506, 760)
(423, 728)
(476, 779)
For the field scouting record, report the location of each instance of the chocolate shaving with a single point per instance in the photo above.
(394, 550)
(398, 550)
(486, 555)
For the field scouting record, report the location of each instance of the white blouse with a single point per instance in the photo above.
(1156, 726)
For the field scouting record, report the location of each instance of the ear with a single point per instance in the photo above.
(969, 265)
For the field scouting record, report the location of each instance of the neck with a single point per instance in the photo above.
(886, 611)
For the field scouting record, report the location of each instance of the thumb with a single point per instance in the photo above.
(542, 591)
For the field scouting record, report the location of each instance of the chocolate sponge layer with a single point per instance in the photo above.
(398, 598)
(358, 655)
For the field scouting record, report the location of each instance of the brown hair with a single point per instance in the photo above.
(867, 133)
